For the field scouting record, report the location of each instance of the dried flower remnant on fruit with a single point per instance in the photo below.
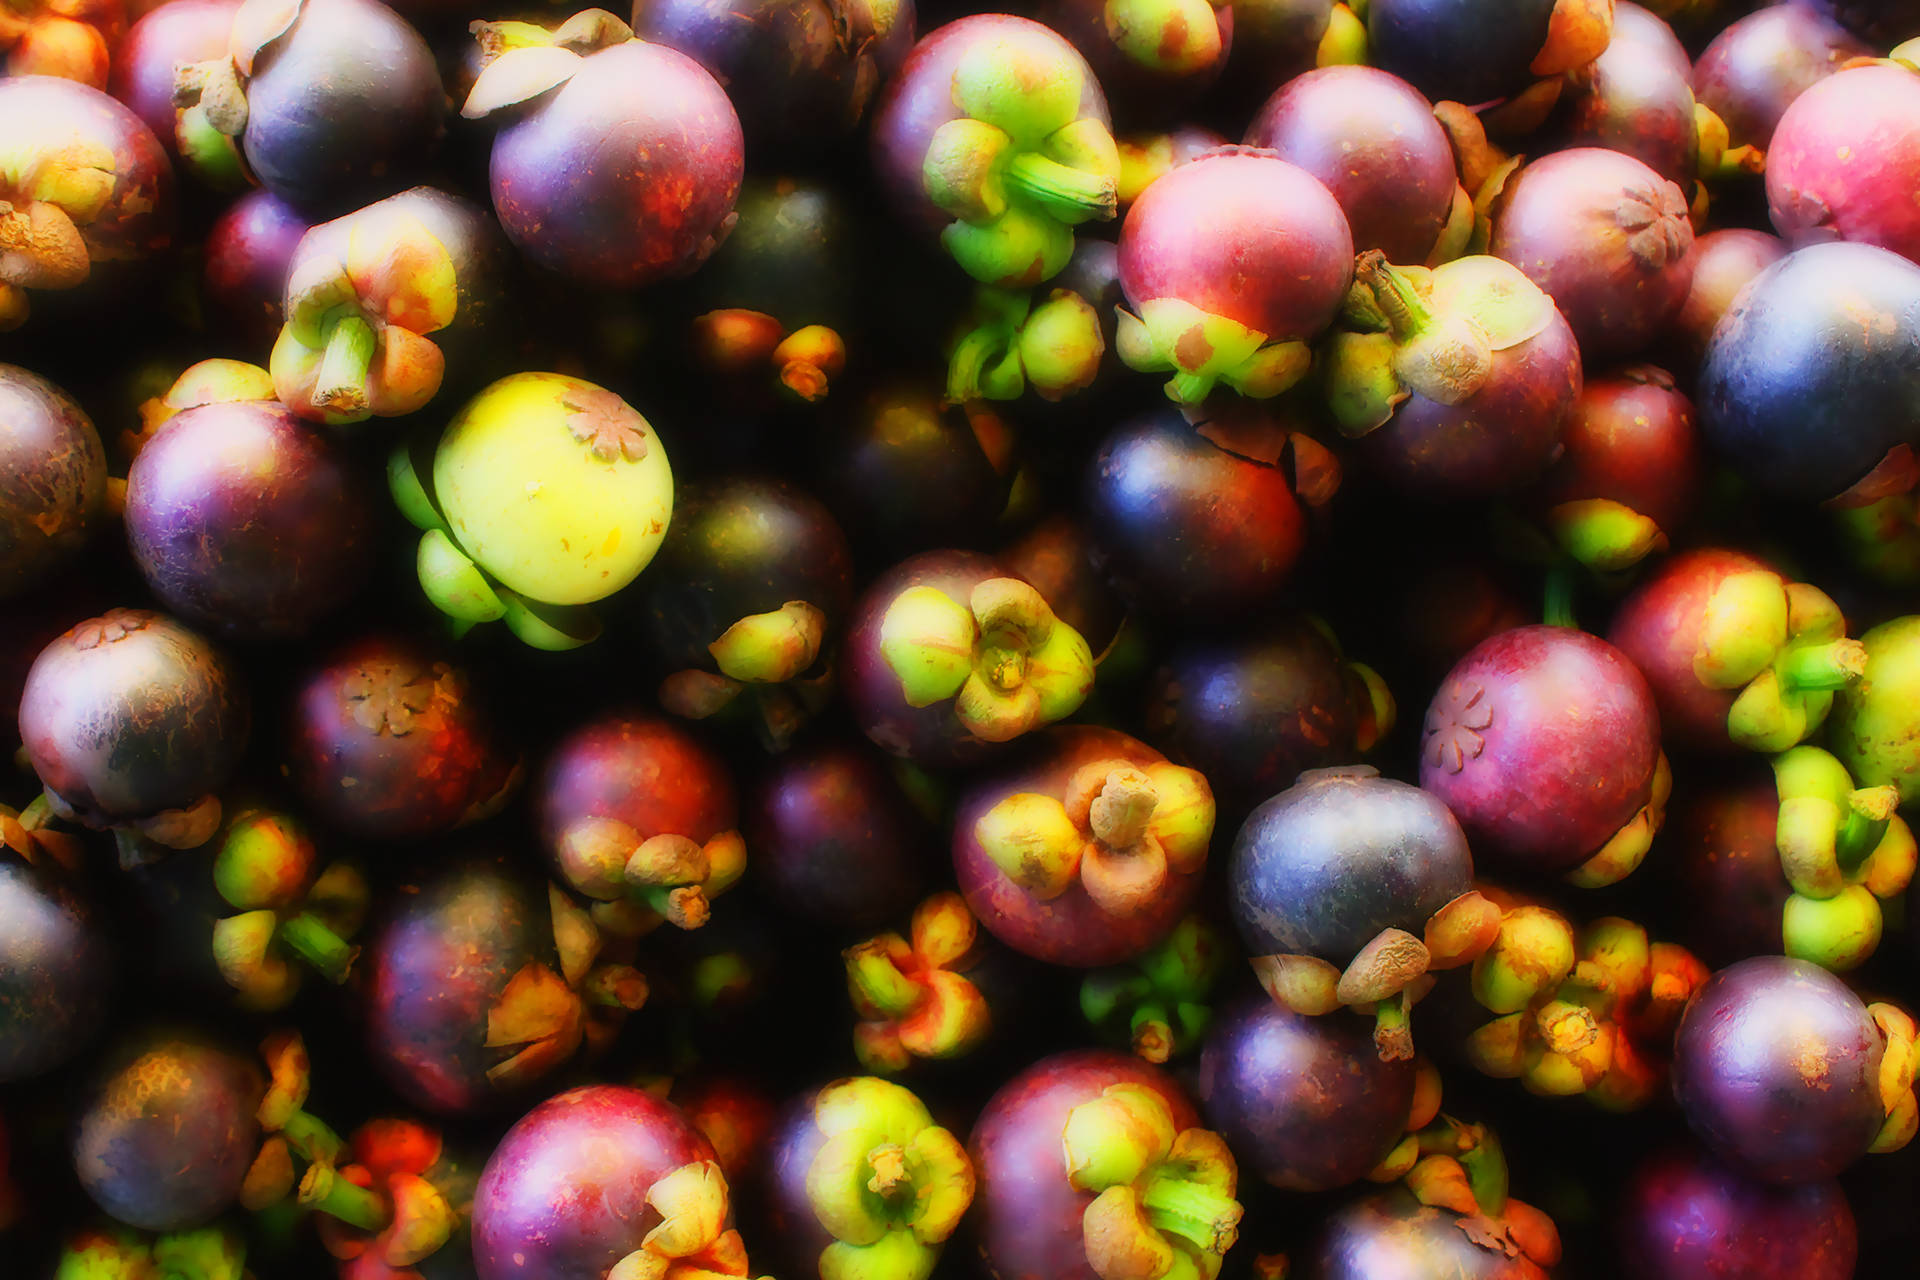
(611, 428)
(1455, 725)
(116, 624)
(1656, 223)
(391, 699)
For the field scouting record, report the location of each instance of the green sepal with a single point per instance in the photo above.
(553, 627)
(1837, 933)
(407, 481)
(454, 584)
(894, 1256)
(926, 640)
(1362, 389)
(1604, 535)
(204, 1253)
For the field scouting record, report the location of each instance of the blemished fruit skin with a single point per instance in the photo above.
(57, 970)
(1392, 1236)
(53, 479)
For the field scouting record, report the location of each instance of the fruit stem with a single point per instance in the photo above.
(1068, 194)
(309, 937)
(1816, 667)
(1556, 609)
(342, 381)
(1865, 825)
(1195, 1212)
(312, 1138)
(891, 1179)
(1407, 316)
(325, 1191)
(1153, 1036)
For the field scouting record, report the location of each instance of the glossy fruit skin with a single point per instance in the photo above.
(168, 1135)
(831, 837)
(646, 771)
(1630, 439)
(1776, 1066)
(1372, 141)
(1639, 99)
(793, 1144)
(1872, 719)
(621, 226)
(1883, 22)
(181, 31)
(741, 546)
(1469, 53)
(799, 74)
(797, 253)
(919, 99)
(1759, 64)
(1725, 862)
(1794, 391)
(1392, 1236)
(132, 714)
(931, 735)
(1498, 439)
(1724, 263)
(1056, 556)
(344, 108)
(1253, 710)
(1071, 929)
(1306, 1103)
(1558, 739)
(563, 1195)
(1606, 236)
(908, 471)
(1138, 91)
(1845, 161)
(53, 479)
(1660, 626)
(1687, 1217)
(56, 970)
(1026, 1215)
(453, 937)
(1185, 529)
(388, 741)
(1324, 866)
(1244, 235)
(248, 521)
(248, 252)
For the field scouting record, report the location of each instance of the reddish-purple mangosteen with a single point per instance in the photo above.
(1057, 557)
(1091, 1164)
(995, 136)
(469, 992)
(834, 839)
(1545, 743)
(947, 658)
(1396, 1235)
(617, 161)
(180, 31)
(331, 103)
(1629, 474)
(1606, 236)
(1372, 140)
(1724, 858)
(53, 480)
(1734, 653)
(1306, 1102)
(62, 232)
(800, 75)
(133, 721)
(1637, 98)
(1231, 265)
(1254, 710)
(1845, 161)
(1153, 57)
(862, 1184)
(1088, 852)
(634, 809)
(57, 959)
(388, 741)
(1464, 51)
(1759, 64)
(248, 521)
(1777, 1067)
(1687, 1216)
(248, 251)
(594, 1176)
(1460, 382)
(1724, 262)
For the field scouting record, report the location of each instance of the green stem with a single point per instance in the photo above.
(1407, 316)
(312, 1138)
(970, 358)
(307, 936)
(1815, 667)
(1859, 835)
(1192, 1211)
(342, 381)
(1556, 608)
(1068, 194)
(1486, 1168)
(1190, 388)
(325, 1191)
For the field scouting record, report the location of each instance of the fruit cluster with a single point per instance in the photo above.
(879, 640)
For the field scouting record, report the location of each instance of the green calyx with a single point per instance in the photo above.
(771, 647)
(324, 1189)
(266, 866)
(1843, 850)
(1784, 646)
(913, 996)
(1158, 1002)
(1177, 37)
(1056, 347)
(1718, 158)
(1162, 1198)
(1021, 166)
(1002, 658)
(1345, 42)
(887, 1183)
(1605, 535)
(1202, 351)
(672, 877)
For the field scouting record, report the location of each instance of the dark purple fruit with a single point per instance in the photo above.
(1687, 1216)
(1759, 64)
(56, 968)
(53, 479)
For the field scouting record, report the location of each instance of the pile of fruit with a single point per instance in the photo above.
(849, 640)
